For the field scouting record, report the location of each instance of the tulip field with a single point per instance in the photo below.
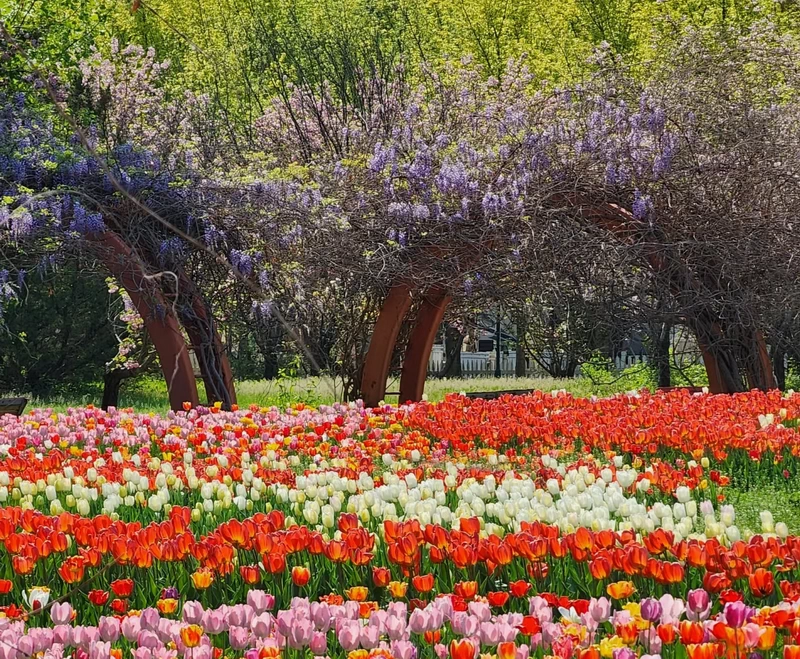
(540, 526)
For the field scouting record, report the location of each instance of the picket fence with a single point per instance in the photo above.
(482, 364)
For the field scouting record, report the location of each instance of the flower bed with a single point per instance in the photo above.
(541, 525)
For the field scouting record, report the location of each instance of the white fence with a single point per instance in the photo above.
(482, 364)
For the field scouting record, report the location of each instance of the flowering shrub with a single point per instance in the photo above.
(541, 525)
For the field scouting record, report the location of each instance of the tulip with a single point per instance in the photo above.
(462, 649)
(260, 601)
(109, 628)
(736, 614)
(238, 638)
(192, 612)
(698, 604)
(191, 635)
(600, 609)
(651, 609)
(319, 643)
(61, 613)
(348, 635)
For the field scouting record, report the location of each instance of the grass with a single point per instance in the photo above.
(783, 504)
(150, 395)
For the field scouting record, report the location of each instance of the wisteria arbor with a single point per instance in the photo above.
(417, 194)
(119, 193)
(470, 185)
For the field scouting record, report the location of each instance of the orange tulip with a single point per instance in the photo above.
(381, 576)
(667, 634)
(98, 597)
(251, 574)
(432, 637)
(466, 589)
(620, 589)
(507, 650)
(464, 649)
(588, 653)
(300, 575)
(767, 638)
(600, 567)
(72, 570)
(397, 589)
(122, 587)
(167, 606)
(692, 633)
(519, 588)
(202, 578)
(191, 635)
(703, 651)
(791, 652)
(497, 599)
(357, 593)
(628, 632)
(423, 583)
(5, 586)
(762, 582)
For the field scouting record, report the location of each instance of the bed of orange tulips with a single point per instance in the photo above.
(541, 525)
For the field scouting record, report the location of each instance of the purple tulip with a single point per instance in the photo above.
(651, 609)
(736, 614)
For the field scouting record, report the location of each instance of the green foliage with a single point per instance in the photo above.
(606, 381)
(58, 338)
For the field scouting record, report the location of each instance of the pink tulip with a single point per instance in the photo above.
(238, 638)
(395, 628)
(301, 633)
(25, 645)
(61, 613)
(321, 615)
(348, 635)
(599, 609)
(480, 610)
(214, 621)
(142, 653)
(403, 650)
(419, 621)
(523, 652)
(62, 634)
(319, 643)
(440, 650)
(261, 625)
(698, 604)
(369, 637)
(192, 612)
(131, 626)
(100, 650)
(260, 601)
(109, 628)
(148, 639)
(149, 619)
